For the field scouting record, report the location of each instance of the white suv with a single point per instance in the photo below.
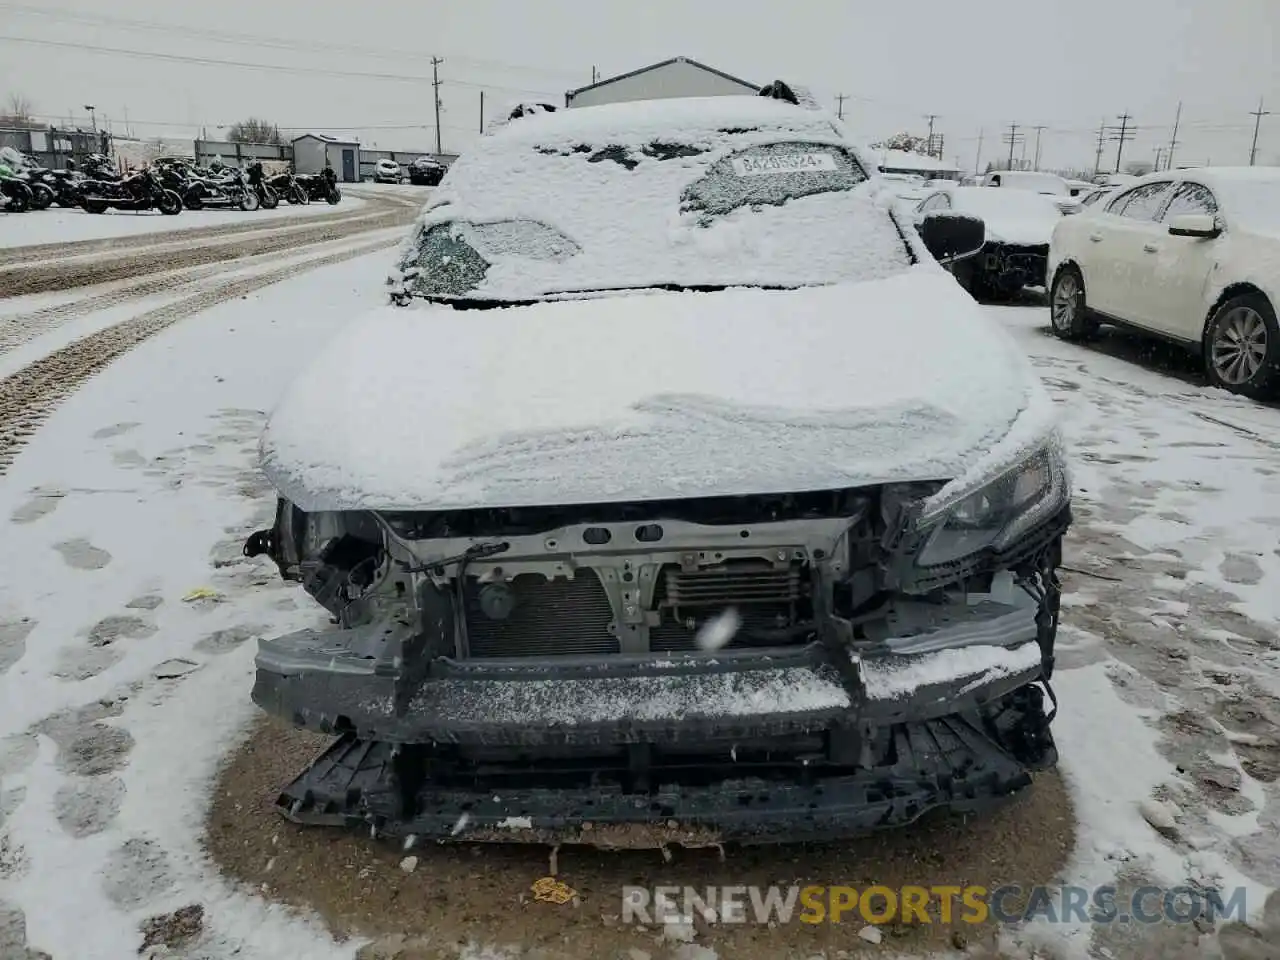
(386, 171)
(1187, 255)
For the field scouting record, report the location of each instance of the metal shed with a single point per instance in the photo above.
(312, 151)
(677, 77)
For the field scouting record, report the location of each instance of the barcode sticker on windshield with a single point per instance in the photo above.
(783, 163)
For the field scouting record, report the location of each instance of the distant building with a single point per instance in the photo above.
(919, 164)
(677, 77)
(312, 150)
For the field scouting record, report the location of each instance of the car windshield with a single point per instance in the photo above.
(736, 205)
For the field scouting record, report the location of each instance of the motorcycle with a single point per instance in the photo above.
(17, 194)
(15, 182)
(267, 197)
(66, 187)
(321, 186)
(175, 175)
(41, 193)
(141, 191)
(287, 186)
(229, 190)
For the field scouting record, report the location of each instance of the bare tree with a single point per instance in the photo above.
(17, 114)
(903, 141)
(254, 130)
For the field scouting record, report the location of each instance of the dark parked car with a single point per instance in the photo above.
(426, 172)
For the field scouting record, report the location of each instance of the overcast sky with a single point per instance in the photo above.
(366, 66)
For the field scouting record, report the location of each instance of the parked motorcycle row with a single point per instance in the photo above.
(167, 184)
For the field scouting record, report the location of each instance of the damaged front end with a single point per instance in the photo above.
(544, 674)
(1008, 267)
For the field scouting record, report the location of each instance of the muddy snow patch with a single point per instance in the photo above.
(87, 807)
(13, 640)
(110, 629)
(114, 430)
(80, 554)
(40, 505)
(136, 873)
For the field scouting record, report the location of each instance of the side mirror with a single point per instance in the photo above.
(952, 236)
(1201, 225)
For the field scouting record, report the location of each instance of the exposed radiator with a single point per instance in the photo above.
(766, 598)
(548, 618)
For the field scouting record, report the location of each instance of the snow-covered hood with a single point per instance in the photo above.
(653, 396)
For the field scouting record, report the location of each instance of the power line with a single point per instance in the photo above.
(1122, 134)
(1011, 138)
(257, 40)
(1173, 139)
(1257, 122)
(246, 65)
(435, 91)
(929, 146)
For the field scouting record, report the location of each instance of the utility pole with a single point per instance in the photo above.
(1011, 138)
(595, 74)
(1173, 139)
(977, 160)
(840, 99)
(1124, 133)
(1159, 157)
(1040, 128)
(1102, 136)
(435, 85)
(482, 111)
(929, 143)
(1257, 122)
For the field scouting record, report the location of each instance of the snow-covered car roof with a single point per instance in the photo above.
(714, 191)
(1249, 197)
(1011, 216)
(1031, 180)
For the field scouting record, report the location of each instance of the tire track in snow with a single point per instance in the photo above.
(29, 396)
(76, 248)
(19, 329)
(52, 277)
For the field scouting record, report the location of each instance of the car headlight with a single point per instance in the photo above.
(998, 513)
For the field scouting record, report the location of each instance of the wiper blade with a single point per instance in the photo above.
(487, 303)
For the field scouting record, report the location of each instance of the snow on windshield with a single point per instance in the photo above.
(688, 193)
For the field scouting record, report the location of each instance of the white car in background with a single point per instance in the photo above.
(1018, 225)
(1191, 256)
(387, 171)
(1028, 180)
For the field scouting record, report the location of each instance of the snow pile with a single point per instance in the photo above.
(731, 393)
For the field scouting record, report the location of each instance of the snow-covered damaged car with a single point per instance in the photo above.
(1018, 225)
(684, 498)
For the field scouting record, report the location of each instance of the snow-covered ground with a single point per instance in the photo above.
(127, 617)
(59, 225)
